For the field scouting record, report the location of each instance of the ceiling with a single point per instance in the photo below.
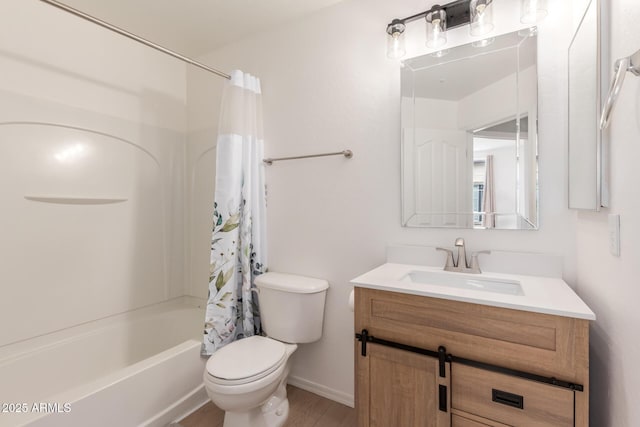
(195, 27)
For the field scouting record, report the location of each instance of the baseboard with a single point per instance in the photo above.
(322, 390)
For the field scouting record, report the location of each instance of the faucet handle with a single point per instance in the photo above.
(475, 266)
(449, 263)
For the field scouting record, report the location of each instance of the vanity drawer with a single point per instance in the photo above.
(510, 400)
(464, 419)
(458, 421)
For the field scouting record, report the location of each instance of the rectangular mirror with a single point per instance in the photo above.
(469, 135)
(585, 137)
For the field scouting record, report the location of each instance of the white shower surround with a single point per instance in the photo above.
(92, 134)
(142, 368)
(65, 264)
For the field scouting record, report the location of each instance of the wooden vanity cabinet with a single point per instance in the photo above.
(396, 387)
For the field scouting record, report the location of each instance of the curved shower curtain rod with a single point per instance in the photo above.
(134, 37)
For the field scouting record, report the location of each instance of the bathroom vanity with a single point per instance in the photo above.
(467, 350)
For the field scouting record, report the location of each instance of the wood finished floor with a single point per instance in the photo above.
(305, 410)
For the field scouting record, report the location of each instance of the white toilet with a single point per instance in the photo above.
(248, 378)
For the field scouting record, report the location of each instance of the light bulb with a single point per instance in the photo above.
(481, 17)
(440, 53)
(395, 40)
(483, 42)
(533, 11)
(436, 28)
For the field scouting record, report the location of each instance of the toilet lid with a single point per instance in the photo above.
(246, 358)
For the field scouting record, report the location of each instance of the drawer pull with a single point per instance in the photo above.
(506, 398)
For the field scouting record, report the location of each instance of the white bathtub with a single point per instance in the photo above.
(141, 368)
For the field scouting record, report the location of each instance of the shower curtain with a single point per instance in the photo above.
(238, 244)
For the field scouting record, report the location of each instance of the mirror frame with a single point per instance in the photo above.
(601, 196)
(405, 217)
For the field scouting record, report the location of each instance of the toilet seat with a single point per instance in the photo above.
(246, 361)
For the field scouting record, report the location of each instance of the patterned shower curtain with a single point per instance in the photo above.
(238, 244)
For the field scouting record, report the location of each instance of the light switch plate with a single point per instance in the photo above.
(614, 234)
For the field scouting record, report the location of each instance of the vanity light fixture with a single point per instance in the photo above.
(533, 11)
(477, 13)
(438, 20)
(481, 17)
(483, 42)
(440, 53)
(395, 41)
(436, 27)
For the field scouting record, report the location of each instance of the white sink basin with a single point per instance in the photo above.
(464, 281)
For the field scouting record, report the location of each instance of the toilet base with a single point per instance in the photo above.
(273, 413)
(278, 416)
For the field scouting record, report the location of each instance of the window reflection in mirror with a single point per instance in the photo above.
(469, 141)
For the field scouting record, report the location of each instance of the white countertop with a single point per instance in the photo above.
(541, 294)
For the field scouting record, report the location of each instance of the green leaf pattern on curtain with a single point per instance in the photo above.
(238, 247)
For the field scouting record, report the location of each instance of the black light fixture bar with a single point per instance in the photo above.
(457, 14)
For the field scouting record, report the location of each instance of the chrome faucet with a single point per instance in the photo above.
(461, 261)
(460, 264)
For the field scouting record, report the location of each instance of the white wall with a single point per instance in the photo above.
(607, 283)
(498, 101)
(64, 264)
(328, 86)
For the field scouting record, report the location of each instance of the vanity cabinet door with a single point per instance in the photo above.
(400, 388)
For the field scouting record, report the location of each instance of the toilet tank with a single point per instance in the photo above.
(291, 307)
